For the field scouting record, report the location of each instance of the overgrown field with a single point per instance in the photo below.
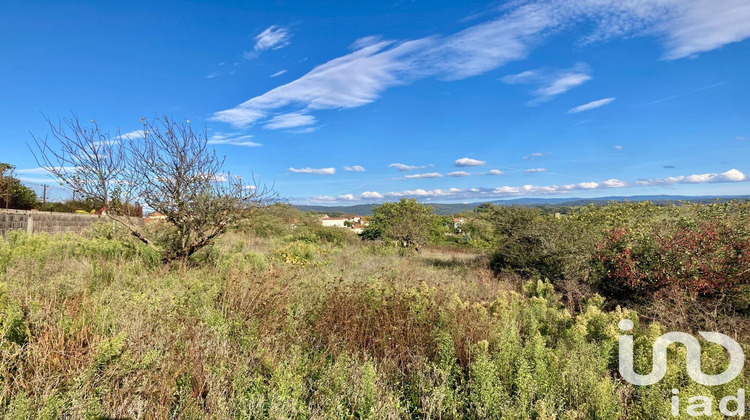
(300, 322)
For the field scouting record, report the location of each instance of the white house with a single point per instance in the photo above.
(334, 221)
(346, 221)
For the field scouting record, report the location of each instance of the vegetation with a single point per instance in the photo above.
(690, 256)
(284, 318)
(171, 169)
(13, 194)
(406, 222)
(409, 223)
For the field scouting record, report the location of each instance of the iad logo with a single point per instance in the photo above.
(703, 405)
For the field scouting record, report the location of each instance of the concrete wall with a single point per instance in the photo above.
(333, 222)
(44, 221)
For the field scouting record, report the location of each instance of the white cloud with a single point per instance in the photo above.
(458, 173)
(303, 130)
(365, 41)
(355, 168)
(535, 170)
(308, 170)
(239, 117)
(371, 194)
(427, 175)
(685, 27)
(135, 134)
(704, 25)
(349, 81)
(591, 105)
(290, 120)
(272, 38)
(496, 172)
(732, 175)
(403, 167)
(233, 140)
(40, 170)
(533, 155)
(278, 73)
(483, 193)
(486, 46)
(348, 197)
(551, 82)
(48, 181)
(323, 198)
(468, 162)
(563, 83)
(618, 147)
(614, 183)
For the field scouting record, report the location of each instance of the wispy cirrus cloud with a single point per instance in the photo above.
(704, 25)
(591, 105)
(535, 170)
(278, 73)
(355, 168)
(551, 82)
(349, 81)
(403, 167)
(272, 38)
(290, 120)
(684, 27)
(679, 95)
(232, 139)
(463, 162)
(314, 171)
(533, 155)
(365, 41)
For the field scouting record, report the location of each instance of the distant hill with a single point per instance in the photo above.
(446, 209)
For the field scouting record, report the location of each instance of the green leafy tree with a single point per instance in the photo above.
(13, 194)
(406, 222)
(440, 226)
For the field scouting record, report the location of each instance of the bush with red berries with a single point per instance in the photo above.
(699, 259)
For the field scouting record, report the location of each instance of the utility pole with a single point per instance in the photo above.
(44, 194)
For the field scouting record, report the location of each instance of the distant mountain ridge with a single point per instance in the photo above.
(453, 208)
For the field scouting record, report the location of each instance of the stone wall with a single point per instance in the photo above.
(44, 221)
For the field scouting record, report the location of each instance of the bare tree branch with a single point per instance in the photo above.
(171, 169)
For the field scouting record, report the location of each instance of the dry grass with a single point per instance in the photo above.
(91, 329)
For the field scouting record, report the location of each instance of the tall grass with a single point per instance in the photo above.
(302, 324)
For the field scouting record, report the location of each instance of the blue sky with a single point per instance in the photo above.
(353, 102)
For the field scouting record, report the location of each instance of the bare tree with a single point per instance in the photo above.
(166, 165)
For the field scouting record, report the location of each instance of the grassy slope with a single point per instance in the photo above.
(282, 328)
